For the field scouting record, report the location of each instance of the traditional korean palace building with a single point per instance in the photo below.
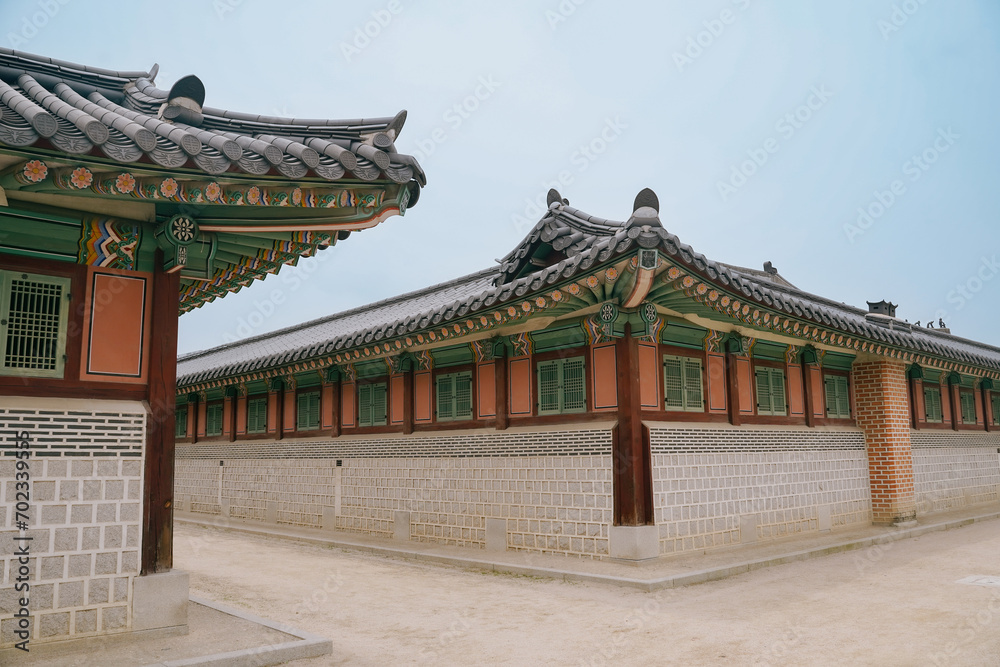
(604, 391)
(121, 205)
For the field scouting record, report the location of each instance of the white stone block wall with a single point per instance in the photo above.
(715, 486)
(553, 487)
(86, 511)
(955, 469)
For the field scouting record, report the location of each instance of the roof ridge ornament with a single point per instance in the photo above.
(553, 197)
(184, 101)
(645, 210)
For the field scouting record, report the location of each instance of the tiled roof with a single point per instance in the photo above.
(585, 241)
(123, 115)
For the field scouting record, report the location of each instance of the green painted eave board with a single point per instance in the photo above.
(371, 369)
(769, 351)
(683, 335)
(838, 362)
(559, 338)
(452, 356)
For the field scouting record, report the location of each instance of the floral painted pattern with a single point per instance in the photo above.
(81, 178)
(253, 195)
(168, 188)
(125, 183)
(213, 191)
(35, 171)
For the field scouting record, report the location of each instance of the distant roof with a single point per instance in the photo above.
(122, 115)
(577, 241)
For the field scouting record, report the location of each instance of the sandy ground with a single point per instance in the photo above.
(896, 604)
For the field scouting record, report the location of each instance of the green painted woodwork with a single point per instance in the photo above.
(967, 402)
(180, 422)
(562, 386)
(770, 391)
(452, 356)
(995, 404)
(257, 414)
(932, 376)
(682, 384)
(932, 404)
(256, 387)
(308, 379)
(34, 310)
(307, 411)
(559, 338)
(769, 351)
(213, 419)
(372, 404)
(41, 235)
(838, 362)
(838, 400)
(683, 335)
(454, 396)
(370, 369)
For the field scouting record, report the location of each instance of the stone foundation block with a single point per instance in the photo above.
(634, 542)
(160, 600)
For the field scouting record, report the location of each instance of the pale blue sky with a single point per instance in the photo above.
(675, 116)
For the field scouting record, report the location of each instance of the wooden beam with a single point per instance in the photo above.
(158, 474)
(408, 401)
(630, 460)
(956, 405)
(812, 400)
(732, 377)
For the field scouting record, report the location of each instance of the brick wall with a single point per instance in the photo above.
(552, 486)
(882, 402)
(86, 499)
(718, 486)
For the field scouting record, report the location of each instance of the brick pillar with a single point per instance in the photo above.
(883, 414)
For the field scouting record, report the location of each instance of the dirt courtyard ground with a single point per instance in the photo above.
(896, 604)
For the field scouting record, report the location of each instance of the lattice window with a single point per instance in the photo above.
(932, 405)
(33, 314)
(307, 411)
(770, 391)
(257, 415)
(181, 422)
(213, 419)
(682, 384)
(454, 396)
(371, 404)
(562, 386)
(838, 399)
(967, 399)
(995, 400)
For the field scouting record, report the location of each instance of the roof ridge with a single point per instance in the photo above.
(344, 313)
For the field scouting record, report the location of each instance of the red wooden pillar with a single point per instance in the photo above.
(987, 397)
(954, 388)
(917, 412)
(158, 473)
(330, 403)
(229, 410)
(500, 376)
(289, 407)
(408, 400)
(632, 478)
(812, 378)
(192, 420)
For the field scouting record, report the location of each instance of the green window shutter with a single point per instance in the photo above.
(548, 387)
(463, 396)
(968, 402)
(379, 404)
(213, 420)
(34, 310)
(257, 415)
(574, 385)
(763, 391)
(365, 405)
(307, 411)
(673, 383)
(693, 394)
(830, 385)
(995, 400)
(180, 422)
(838, 399)
(445, 397)
(932, 404)
(778, 406)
